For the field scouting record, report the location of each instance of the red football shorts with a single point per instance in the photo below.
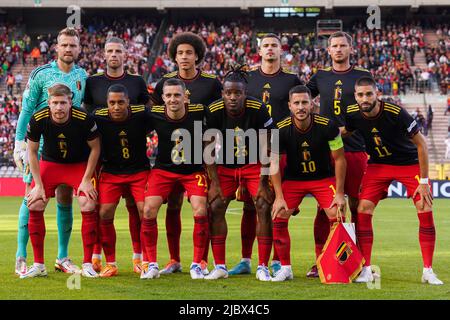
(247, 176)
(356, 167)
(378, 177)
(323, 190)
(55, 174)
(113, 186)
(161, 183)
(244, 196)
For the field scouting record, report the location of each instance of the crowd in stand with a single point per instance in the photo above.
(138, 35)
(13, 47)
(9, 113)
(227, 44)
(388, 53)
(438, 59)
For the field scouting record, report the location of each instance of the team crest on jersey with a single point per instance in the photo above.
(306, 155)
(265, 96)
(337, 93)
(338, 83)
(343, 252)
(188, 95)
(377, 140)
(267, 86)
(79, 85)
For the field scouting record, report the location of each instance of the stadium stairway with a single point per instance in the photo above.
(26, 70)
(430, 37)
(437, 135)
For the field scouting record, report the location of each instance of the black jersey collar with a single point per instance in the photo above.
(115, 78)
(343, 72)
(61, 124)
(127, 118)
(311, 116)
(269, 75)
(189, 80)
(238, 115)
(377, 115)
(186, 109)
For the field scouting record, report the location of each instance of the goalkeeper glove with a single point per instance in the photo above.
(20, 151)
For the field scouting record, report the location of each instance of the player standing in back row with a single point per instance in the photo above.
(96, 97)
(187, 50)
(270, 83)
(335, 85)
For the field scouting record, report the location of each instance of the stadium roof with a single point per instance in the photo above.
(162, 4)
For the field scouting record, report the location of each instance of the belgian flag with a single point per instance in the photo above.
(340, 261)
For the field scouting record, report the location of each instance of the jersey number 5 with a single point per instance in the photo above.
(337, 107)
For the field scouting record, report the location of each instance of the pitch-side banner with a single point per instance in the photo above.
(441, 189)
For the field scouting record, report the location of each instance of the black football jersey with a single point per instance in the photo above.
(337, 91)
(63, 143)
(307, 151)
(170, 157)
(124, 143)
(388, 135)
(273, 90)
(203, 89)
(98, 84)
(254, 116)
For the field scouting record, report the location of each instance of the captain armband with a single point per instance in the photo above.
(336, 143)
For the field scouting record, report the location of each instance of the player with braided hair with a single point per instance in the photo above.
(241, 115)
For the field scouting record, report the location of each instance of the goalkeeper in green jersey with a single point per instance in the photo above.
(35, 97)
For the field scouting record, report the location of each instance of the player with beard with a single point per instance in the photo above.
(96, 97)
(335, 85)
(187, 50)
(35, 97)
(308, 140)
(398, 151)
(270, 83)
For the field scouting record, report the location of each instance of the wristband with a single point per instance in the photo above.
(423, 181)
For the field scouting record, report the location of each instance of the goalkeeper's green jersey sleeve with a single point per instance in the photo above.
(35, 96)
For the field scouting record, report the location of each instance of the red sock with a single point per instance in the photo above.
(208, 241)
(200, 236)
(108, 236)
(134, 222)
(218, 248)
(282, 240)
(364, 235)
(36, 229)
(248, 232)
(321, 230)
(149, 237)
(173, 231)
(98, 244)
(427, 237)
(89, 235)
(264, 249)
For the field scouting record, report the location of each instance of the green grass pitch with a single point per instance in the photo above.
(396, 251)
